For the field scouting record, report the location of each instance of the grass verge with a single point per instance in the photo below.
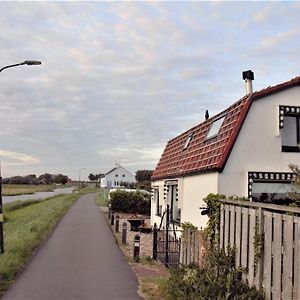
(86, 189)
(102, 197)
(27, 225)
(21, 189)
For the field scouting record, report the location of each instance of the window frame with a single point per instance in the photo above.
(173, 188)
(158, 207)
(208, 136)
(268, 177)
(292, 112)
(188, 141)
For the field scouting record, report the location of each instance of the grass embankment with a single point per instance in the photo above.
(21, 189)
(102, 197)
(27, 225)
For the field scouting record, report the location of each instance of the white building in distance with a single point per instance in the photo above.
(116, 177)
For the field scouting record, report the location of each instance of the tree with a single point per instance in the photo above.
(143, 178)
(61, 179)
(45, 178)
(143, 175)
(92, 177)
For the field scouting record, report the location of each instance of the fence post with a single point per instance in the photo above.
(154, 252)
(260, 265)
(136, 247)
(112, 219)
(124, 233)
(117, 224)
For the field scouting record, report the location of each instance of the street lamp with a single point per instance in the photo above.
(79, 175)
(26, 62)
(29, 63)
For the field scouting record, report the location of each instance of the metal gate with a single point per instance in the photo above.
(166, 242)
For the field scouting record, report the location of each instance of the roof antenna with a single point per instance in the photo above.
(206, 115)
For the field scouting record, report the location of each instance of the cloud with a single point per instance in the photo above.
(279, 39)
(119, 79)
(16, 159)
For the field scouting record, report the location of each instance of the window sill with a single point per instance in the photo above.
(290, 149)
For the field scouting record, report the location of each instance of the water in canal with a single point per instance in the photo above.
(38, 195)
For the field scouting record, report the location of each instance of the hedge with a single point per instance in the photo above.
(130, 202)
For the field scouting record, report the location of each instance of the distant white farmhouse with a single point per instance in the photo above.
(116, 176)
(244, 150)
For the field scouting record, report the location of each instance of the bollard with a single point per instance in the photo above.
(154, 253)
(109, 211)
(124, 233)
(112, 219)
(136, 247)
(117, 223)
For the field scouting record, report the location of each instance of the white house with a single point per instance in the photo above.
(116, 176)
(244, 150)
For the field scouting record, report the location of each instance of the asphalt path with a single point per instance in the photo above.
(80, 261)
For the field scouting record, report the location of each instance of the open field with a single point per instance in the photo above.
(27, 225)
(21, 189)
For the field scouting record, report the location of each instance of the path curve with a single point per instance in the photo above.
(80, 261)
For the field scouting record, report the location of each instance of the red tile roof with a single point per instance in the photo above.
(203, 155)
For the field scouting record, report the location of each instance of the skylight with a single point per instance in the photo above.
(215, 128)
(188, 140)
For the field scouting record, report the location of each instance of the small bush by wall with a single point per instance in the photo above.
(219, 280)
(130, 202)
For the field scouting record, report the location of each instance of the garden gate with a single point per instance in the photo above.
(166, 241)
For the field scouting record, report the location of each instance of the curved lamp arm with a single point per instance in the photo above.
(26, 62)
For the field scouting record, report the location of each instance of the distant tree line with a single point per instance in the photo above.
(95, 177)
(45, 178)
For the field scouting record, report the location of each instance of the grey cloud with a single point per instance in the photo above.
(118, 80)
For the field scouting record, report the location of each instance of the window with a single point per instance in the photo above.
(173, 201)
(188, 140)
(289, 124)
(123, 175)
(116, 175)
(215, 128)
(270, 187)
(156, 199)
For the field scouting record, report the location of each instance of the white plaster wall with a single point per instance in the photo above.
(191, 191)
(154, 218)
(258, 146)
(195, 188)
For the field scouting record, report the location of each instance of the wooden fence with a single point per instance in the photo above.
(192, 247)
(266, 239)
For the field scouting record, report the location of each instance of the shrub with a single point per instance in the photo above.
(220, 280)
(130, 202)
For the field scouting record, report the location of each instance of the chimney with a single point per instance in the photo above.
(206, 115)
(248, 76)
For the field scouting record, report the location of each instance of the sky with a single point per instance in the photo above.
(120, 79)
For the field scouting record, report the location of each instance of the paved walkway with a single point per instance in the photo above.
(80, 261)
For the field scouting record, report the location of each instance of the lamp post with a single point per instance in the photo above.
(29, 63)
(80, 174)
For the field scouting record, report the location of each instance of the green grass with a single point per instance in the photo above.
(102, 197)
(28, 224)
(87, 189)
(154, 288)
(21, 189)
